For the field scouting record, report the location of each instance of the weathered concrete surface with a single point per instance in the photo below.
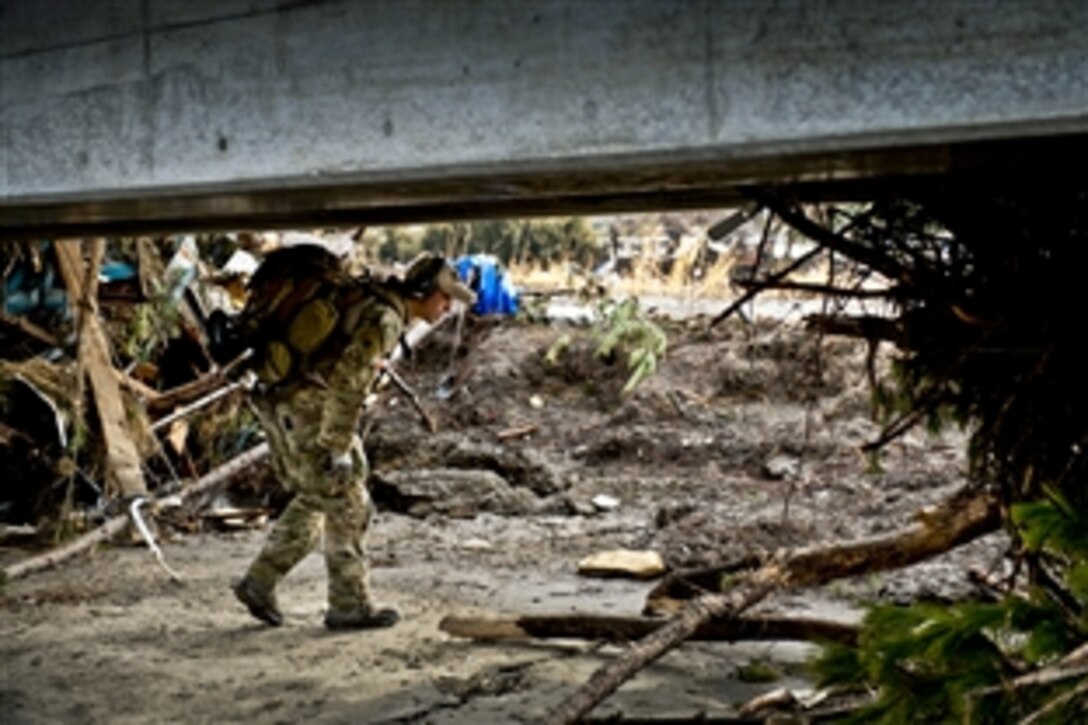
(156, 112)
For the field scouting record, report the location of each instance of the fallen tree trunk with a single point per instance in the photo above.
(964, 517)
(607, 679)
(627, 629)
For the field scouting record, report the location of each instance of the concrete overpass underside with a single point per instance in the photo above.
(138, 116)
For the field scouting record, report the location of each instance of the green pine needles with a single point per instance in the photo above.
(970, 662)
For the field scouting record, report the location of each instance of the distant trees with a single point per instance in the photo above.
(525, 242)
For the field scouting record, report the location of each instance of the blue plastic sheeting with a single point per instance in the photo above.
(495, 293)
(117, 271)
(27, 289)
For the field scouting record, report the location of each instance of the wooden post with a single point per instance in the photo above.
(123, 474)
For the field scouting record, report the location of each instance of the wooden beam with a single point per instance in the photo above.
(29, 328)
(123, 474)
(627, 629)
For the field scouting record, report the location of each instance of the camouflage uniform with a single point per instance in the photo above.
(305, 428)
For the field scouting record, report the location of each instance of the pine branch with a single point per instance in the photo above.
(1054, 674)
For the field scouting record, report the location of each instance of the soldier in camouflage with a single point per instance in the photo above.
(318, 455)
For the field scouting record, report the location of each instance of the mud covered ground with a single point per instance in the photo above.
(745, 441)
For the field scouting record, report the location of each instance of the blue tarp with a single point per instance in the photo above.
(495, 293)
(27, 289)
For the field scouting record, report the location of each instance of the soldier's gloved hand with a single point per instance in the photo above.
(341, 466)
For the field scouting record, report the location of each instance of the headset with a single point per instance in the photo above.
(420, 283)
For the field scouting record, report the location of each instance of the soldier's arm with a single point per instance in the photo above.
(352, 377)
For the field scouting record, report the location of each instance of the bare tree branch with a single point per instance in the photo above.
(962, 518)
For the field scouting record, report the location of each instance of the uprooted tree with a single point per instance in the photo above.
(984, 279)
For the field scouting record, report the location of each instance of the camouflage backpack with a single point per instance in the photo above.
(302, 310)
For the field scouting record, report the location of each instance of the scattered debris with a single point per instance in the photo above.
(623, 562)
(604, 502)
(781, 467)
(489, 682)
(520, 431)
(18, 531)
(229, 517)
(451, 492)
(101, 337)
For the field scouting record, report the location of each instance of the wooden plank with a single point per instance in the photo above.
(29, 328)
(123, 474)
(628, 629)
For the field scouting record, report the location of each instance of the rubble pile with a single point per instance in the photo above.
(108, 393)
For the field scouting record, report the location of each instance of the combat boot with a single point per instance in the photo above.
(260, 601)
(364, 618)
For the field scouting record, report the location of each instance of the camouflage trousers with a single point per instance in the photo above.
(339, 505)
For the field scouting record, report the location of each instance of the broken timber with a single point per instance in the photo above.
(29, 328)
(627, 629)
(122, 458)
(964, 517)
(118, 524)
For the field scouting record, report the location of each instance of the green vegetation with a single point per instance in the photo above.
(984, 276)
(624, 328)
(621, 329)
(758, 671)
(526, 243)
(934, 663)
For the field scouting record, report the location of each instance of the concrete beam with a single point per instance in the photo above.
(138, 114)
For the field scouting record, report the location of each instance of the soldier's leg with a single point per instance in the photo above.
(294, 534)
(346, 522)
(347, 519)
(292, 538)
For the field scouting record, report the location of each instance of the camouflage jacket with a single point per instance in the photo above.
(325, 413)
